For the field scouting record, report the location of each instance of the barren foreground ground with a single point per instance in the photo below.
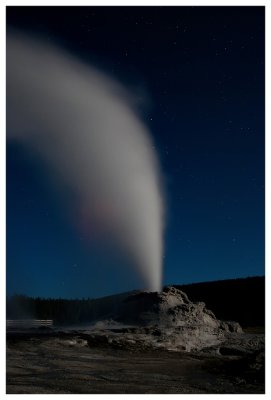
(69, 364)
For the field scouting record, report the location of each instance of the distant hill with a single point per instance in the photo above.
(241, 300)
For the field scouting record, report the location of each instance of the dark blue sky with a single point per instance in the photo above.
(202, 69)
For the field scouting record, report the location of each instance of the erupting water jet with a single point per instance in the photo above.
(83, 125)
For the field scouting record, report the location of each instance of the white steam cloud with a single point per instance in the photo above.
(83, 125)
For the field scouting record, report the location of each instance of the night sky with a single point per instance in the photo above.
(201, 70)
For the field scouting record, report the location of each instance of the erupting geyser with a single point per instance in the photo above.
(83, 125)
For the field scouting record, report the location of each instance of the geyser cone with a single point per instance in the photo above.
(83, 126)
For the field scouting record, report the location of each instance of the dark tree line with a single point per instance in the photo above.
(61, 311)
(241, 300)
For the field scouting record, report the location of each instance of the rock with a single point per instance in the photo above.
(166, 309)
(169, 320)
(231, 326)
(98, 340)
(166, 320)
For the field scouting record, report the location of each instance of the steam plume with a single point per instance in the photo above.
(84, 127)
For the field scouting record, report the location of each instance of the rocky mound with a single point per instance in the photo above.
(170, 308)
(168, 320)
